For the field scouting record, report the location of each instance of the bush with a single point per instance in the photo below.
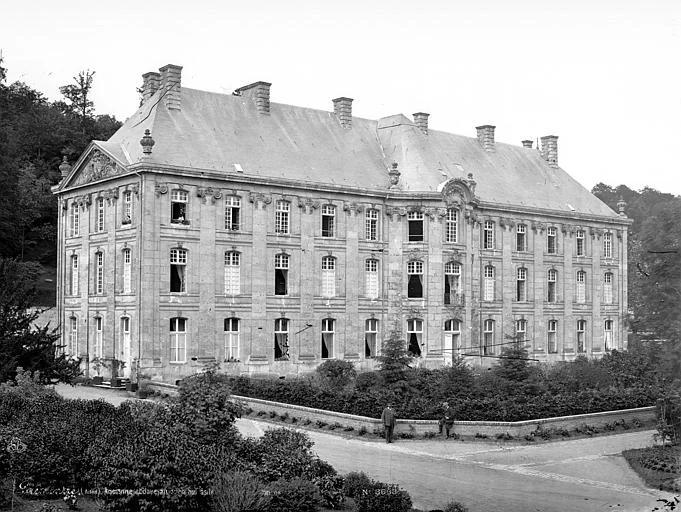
(355, 482)
(238, 491)
(295, 494)
(383, 497)
(455, 506)
(336, 374)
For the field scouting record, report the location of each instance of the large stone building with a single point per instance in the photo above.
(270, 237)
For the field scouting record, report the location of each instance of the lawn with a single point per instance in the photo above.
(658, 466)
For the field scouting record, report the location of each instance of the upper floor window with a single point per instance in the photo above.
(328, 276)
(281, 263)
(179, 200)
(74, 217)
(178, 340)
(281, 218)
(232, 273)
(551, 240)
(328, 326)
(233, 213)
(488, 337)
(232, 338)
(488, 290)
(452, 226)
(99, 273)
(521, 285)
(521, 238)
(552, 279)
(371, 275)
(607, 245)
(281, 338)
(415, 226)
(414, 336)
(415, 284)
(488, 235)
(178, 270)
(452, 282)
(581, 335)
(521, 331)
(127, 270)
(607, 334)
(99, 212)
(607, 288)
(581, 286)
(552, 334)
(371, 224)
(580, 242)
(74, 275)
(127, 207)
(370, 336)
(328, 221)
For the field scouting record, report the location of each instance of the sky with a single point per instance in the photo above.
(604, 76)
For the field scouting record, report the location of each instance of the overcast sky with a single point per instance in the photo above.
(605, 76)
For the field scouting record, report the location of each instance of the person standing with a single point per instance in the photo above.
(448, 419)
(388, 420)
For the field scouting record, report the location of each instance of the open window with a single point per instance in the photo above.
(179, 200)
(232, 338)
(281, 339)
(328, 332)
(452, 340)
(232, 213)
(178, 270)
(415, 226)
(452, 283)
(414, 336)
(281, 264)
(488, 337)
(370, 336)
(415, 284)
(328, 221)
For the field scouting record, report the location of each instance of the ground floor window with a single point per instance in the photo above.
(581, 335)
(552, 333)
(370, 335)
(178, 340)
(414, 336)
(452, 339)
(488, 337)
(281, 339)
(328, 326)
(607, 335)
(231, 339)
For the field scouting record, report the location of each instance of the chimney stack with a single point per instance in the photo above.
(342, 107)
(259, 92)
(150, 83)
(549, 150)
(421, 121)
(486, 136)
(171, 83)
(527, 144)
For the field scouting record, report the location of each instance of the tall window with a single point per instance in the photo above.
(127, 270)
(579, 238)
(178, 206)
(371, 277)
(370, 335)
(74, 275)
(452, 283)
(488, 235)
(99, 273)
(178, 270)
(281, 262)
(281, 338)
(99, 221)
(231, 339)
(452, 226)
(414, 336)
(281, 217)
(125, 337)
(581, 286)
(328, 325)
(73, 336)
(127, 207)
(178, 340)
(371, 224)
(452, 341)
(74, 214)
(607, 334)
(99, 336)
(415, 226)
(232, 273)
(607, 245)
(328, 220)
(415, 285)
(521, 331)
(328, 276)
(521, 285)
(552, 279)
(521, 238)
(552, 334)
(551, 240)
(607, 288)
(488, 337)
(488, 291)
(233, 213)
(581, 335)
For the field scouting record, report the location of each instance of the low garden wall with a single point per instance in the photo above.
(465, 428)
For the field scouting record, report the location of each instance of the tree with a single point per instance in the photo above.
(22, 344)
(78, 95)
(513, 363)
(394, 361)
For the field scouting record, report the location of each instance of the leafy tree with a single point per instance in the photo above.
(513, 363)
(394, 361)
(78, 95)
(22, 344)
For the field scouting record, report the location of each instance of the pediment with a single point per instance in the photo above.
(458, 192)
(96, 165)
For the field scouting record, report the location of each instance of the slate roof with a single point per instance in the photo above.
(225, 133)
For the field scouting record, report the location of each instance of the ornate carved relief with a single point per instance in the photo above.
(453, 255)
(352, 208)
(472, 218)
(538, 227)
(394, 176)
(84, 201)
(596, 233)
(110, 194)
(160, 188)
(258, 198)
(415, 254)
(413, 312)
(618, 233)
(204, 193)
(506, 222)
(393, 211)
(458, 192)
(307, 204)
(99, 166)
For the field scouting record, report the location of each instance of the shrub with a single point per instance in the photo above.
(355, 482)
(362, 431)
(380, 496)
(406, 435)
(330, 489)
(321, 424)
(668, 412)
(336, 374)
(273, 414)
(295, 494)
(430, 435)
(478, 435)
(455, 506)
(284, 416)
(366, 381)
(239, 491)
(504, 436)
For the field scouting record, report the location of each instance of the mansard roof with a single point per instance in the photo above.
(226, 134)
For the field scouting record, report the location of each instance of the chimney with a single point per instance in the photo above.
(342, 107)
(527, 144)
(549, 150)
(486, 136)
(421, 121)
(259, 92)
(150, 83)
(171, 83)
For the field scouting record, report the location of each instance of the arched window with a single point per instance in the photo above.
(281, 264)
(488, 337)
(452, 340)
(178, 270)
(328, 331)
(328, 276)
(232, 336)
(232, 273)
(488, 291)
(552, 279)
(281, 339)
(452, 283)
(178, 340)
(415, 284)
(370, 335)
(414, 336)
(371, 278)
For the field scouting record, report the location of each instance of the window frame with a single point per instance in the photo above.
(551, 240)
(100, 215)
(232, 273)
(521, 327)
(282, 263)
(99, 273)
(74, 220)
(415, 327)
(176, 348)
(282, 217)
(581, 336)
(281, 328)
(232, 349)
(74, 287)
(607, 245)
(328, 276)
(608, 334)
(370, 347)
(414, 220)
(371, 225)
(521, 284)
(552, 329)
(552, 286)
(99, 337)
(488, 238)
(232, 210)
(179, 197)
(127, 208)
(580, 288)
(371, 279)
(521, 234)
(452, 226)
(328, 329)
(415, 268)
(452, 268)
(608, 288)
(489, 283)
(488, 328)
(580, 243)
(452, 338)
(73, 335)
(179, 258)
(126, 255)
(328, 213)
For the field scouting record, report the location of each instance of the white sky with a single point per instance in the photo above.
(605, 76)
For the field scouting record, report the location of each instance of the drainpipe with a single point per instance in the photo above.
(114, 368)
(138, 291)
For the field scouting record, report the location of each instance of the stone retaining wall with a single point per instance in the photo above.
(466, 428)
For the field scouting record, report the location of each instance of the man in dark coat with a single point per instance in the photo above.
(448, 419)
(388, 420)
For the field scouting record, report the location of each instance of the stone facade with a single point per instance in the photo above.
(170, 267)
